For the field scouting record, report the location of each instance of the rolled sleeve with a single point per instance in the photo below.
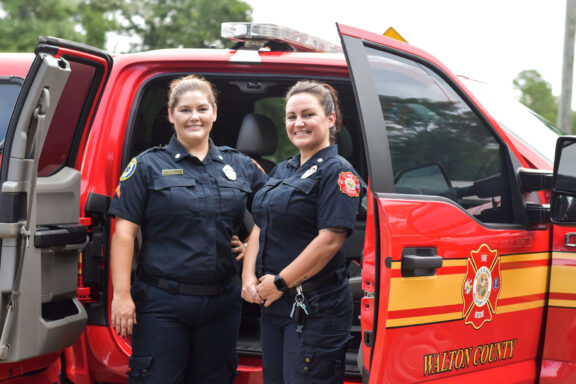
(129, 200)
(338, 197)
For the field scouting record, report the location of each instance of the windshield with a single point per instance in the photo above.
(526, 125)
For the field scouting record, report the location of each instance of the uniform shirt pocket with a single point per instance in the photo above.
(299, 197)
(233, 196)
(303, 185)
(175, 194)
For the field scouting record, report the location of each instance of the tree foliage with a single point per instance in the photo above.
(180, 23)
(152, 23)
(536, 94)
(22, 21)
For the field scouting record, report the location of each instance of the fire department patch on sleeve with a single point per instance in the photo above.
(258, 165)
(349, 184)
(129, 171)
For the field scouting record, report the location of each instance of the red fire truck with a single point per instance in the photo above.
(462, 264)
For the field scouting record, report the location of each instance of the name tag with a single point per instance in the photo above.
(168, 172)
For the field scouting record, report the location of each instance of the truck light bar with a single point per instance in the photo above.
(257, 36)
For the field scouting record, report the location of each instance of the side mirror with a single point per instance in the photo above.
(563, 204)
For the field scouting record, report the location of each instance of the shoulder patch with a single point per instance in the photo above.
(129, 171)
(258, 165)
(349, 184)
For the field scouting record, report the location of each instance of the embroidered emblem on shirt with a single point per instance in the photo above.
(229, 172)
(129, 171)
(310, 171)
(168, 172)
(118, 191)
(349, 184)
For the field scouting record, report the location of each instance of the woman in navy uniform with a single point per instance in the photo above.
(294, 264)
(188, 199)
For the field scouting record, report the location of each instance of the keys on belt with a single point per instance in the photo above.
(299, 310)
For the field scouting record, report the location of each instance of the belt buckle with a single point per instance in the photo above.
(171, 286)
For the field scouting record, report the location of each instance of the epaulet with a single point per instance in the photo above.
(228, 149)
(153, 149)
(342, 160)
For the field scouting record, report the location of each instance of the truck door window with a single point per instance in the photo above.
(57, 146)
(438, 145)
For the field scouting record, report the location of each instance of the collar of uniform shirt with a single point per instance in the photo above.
(178, 151)
(318, 157)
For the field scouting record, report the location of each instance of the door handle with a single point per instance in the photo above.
(420, 262)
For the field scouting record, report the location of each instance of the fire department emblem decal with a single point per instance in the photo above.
(349, 184)
(481, 286)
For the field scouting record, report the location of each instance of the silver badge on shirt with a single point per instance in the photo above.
(229, 172)
(310, 171)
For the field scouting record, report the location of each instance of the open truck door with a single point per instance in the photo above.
(559, 354)
(41, 234)
(455, 265)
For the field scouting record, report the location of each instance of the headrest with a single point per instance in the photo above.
(344, 141)
(257, 136)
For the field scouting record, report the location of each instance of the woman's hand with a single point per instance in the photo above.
(249, 292)
(267, 290)
(123, 315)
(123, 310)
(238, 247)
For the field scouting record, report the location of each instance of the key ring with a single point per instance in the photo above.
(299, 295)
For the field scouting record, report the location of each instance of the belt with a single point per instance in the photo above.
(188, 289)
(316, 284)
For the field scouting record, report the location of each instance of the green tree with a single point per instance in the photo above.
(84, 21)
(155, 23)
(97, 17)
(22, 21)
(536, 94)
(180, 23)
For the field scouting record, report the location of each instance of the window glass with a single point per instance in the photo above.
(437, 143)
(66, 117)
(273, 107)
(9, 90)
(526, 125)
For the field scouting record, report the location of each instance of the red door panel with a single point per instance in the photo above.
(559, 355)
(428, 329)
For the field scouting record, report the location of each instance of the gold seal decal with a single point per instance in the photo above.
(129, 171)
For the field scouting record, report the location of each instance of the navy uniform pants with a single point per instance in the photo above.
(182, 338)
(314, 352)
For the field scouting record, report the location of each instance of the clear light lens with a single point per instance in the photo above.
(271, 32)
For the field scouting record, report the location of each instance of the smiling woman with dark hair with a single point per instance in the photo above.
(294, 263)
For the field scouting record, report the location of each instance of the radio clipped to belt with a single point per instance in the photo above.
(299, 310)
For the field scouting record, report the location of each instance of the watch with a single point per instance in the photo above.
(280, 283)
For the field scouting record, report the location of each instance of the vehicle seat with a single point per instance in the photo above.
(344, 141)
(257, 138)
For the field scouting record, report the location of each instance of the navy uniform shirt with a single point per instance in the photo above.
(297, 202)
(187, 209)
